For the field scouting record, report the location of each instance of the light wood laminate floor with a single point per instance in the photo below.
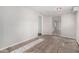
(55, 44)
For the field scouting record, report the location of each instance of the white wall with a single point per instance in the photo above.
(68, 25)
(19, 23)
(77, 27)
(1, 27)
(47, 25)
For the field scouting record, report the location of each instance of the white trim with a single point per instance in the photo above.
(17, 43)
(67, 37)
(28, 46)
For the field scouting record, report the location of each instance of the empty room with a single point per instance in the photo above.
(39, 29)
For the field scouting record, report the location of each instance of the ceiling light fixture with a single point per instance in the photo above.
(59, 11)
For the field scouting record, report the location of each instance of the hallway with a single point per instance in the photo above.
(39, 29)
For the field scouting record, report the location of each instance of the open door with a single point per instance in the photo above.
(40, 26)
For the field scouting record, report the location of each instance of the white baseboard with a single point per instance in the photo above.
(28, 46)
(27, 39)
(67, 37)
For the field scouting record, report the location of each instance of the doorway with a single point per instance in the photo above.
(57, 25)
(40, 26)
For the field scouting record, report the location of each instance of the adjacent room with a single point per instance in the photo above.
(39, 29)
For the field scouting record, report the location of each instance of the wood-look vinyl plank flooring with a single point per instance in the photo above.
(55, 44)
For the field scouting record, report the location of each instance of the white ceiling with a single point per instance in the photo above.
(51, 10)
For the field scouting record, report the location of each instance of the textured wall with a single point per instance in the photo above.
(57, 25)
